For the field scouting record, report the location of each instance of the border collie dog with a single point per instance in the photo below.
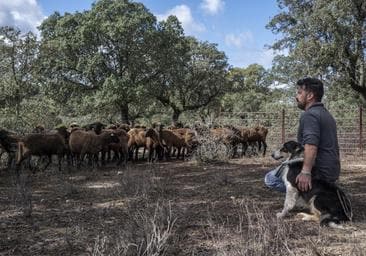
(328, 204)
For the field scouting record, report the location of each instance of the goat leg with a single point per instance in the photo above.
(48, 163)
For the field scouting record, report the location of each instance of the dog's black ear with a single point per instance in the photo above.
(299, 147)
(292, 146)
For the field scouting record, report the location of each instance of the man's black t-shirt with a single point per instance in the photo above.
(318, 127)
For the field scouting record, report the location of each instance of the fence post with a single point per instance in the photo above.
(283, 126)
(360, 129)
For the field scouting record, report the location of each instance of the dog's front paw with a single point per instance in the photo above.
(280, 215)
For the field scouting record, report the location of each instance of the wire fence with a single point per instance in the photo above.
(282, 126)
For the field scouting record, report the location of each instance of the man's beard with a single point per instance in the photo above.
(300, 105)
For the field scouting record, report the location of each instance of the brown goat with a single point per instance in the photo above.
(154, 144)
(42, 145)
(244, 136)
(88, 142)
(236, 138)
(262, 132)
(97, 127)
(190, 139)
(120, 149)
(125, 127)
(170, 139)
(227, 136)
(39, 129)
(257, 137)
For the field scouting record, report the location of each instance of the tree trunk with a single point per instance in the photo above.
(175, 117)
(17, 106)
(124, 114)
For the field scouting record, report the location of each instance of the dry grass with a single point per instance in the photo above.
(258, 232)
(168, 208)
(148, 235)
(23, 193)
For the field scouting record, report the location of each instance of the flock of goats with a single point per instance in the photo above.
(121, 143)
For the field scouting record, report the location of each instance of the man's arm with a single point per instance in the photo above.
(303, 180)
(310, 152)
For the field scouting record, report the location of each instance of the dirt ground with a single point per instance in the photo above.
(182, 207)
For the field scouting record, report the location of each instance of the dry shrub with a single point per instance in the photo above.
(147, 232)
(23, 193)
(75, 236)
(147, 222)
(146, 183)
(65, 184)
(3, 158)
(134, 182)
(160, 181)
(211, 150)
(258, 233)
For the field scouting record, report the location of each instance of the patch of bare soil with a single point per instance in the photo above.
(168, 208)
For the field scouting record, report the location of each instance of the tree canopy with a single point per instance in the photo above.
(192, 73)
(18, 56)
(249, 89)
(117, 62)
(323, 38)
(105, 50)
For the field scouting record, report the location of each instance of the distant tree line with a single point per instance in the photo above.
(116, 62)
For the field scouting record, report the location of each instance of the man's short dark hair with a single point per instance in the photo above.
(313, 85)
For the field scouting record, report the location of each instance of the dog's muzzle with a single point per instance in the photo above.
(277, 155)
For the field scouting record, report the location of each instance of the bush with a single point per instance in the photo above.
(211, 149)
(148, 234)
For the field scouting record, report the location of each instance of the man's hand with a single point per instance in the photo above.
(303, 182)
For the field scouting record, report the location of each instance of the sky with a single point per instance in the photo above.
(236, 26)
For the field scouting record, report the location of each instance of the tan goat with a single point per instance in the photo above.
(137, 139)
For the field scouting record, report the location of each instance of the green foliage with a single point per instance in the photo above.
(324, 39)
(249, 89)
(18, 53)
(191, 74)
(114, 62)
(34, 111)
(105, 49)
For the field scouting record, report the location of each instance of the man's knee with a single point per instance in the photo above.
(270, 179)
(274, 182)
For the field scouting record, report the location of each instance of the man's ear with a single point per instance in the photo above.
(310, 95)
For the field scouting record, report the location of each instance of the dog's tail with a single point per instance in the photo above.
(345, 202)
